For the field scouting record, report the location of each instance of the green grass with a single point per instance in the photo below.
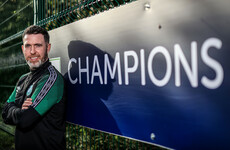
(6, 141)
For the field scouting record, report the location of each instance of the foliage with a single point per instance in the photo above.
(79, 137)
(9, 77)
(6, 141)
(15, 16)
(65, 11)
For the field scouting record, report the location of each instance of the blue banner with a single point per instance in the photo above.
(158, 75)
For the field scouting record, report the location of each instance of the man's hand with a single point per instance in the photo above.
(27, 103)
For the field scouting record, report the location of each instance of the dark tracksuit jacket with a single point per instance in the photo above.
(42, 126)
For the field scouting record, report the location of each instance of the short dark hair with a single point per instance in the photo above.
(34, 29)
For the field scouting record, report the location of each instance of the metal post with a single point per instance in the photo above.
(35, 12)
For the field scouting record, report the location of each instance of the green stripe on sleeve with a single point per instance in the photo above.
(52, 96)
(12, 96)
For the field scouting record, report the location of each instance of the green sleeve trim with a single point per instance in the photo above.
(12, 96)
(46, 95)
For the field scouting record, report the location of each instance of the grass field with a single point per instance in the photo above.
(6, 141)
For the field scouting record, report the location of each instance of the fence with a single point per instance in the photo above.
(15, 17)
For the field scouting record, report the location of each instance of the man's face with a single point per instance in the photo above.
(35, 50)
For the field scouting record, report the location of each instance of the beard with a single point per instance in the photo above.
(34, 65)
(40, 62)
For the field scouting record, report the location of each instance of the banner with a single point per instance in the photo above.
(155, 71)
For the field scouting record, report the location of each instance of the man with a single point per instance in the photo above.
(37, 104)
